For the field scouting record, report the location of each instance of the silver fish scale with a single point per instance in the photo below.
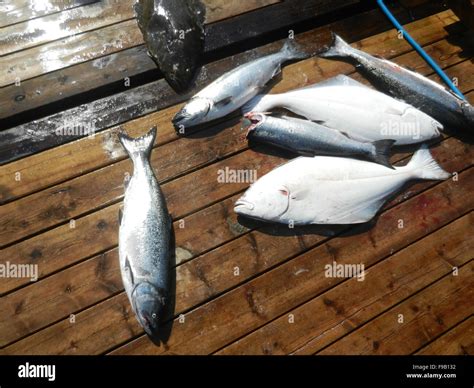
(145, 230)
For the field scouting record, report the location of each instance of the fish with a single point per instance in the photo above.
(331, 190)
(173, 31)
(234, 88)
(307, 137)
(409, 86)
(360, 112)
(144, 238)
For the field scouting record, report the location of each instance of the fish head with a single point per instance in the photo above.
(149, 304)
(264, 201)
(252, 120)
(192, 113)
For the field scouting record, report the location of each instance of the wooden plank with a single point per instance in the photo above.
(98, 278)
(223, 9)
(70, 22)
(74, 80)
(68, 51)
(42, 170)
(63, 24)
(425, 316)
(131, 62)
(349, 305)
(17, 142)
(84, 46)
(457, 341)
(21, 10)
(72, 198)
(264, 251)
(283, 15)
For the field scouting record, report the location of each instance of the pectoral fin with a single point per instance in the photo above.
(223, 102)
(128, 272)
(120, 215)
(299, 195)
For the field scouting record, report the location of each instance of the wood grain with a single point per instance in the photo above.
(457, 341)
(424, 317)
(63, 24)
(20, 10)
(349, 305)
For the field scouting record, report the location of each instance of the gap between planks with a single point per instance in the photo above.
(273, 329)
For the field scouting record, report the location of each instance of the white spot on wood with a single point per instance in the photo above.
(300, 271)
(112, 147)
(182, 254)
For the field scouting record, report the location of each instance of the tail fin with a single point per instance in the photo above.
(339, 48)
(293, 50)
(381, 153)
(425, 167)
(260, 103)
(138, 146)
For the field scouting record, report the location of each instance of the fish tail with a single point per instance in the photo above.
(293, 50)
(260, 103)
(339, 48)
(139, 146)
(381, 152)
(425, 167)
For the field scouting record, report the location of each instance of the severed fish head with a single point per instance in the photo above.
(173, 31)
(252, 120)
(149, 304)
(264, 201)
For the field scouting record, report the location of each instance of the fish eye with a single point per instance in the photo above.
(153, 315)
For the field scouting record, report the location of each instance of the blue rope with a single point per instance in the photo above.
(420, 50)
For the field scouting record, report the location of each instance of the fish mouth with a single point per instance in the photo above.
(241, 205)
(252, 120)
(179, 119)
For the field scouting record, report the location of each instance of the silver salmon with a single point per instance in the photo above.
(310, 138)
(144, 237)
(236, 87)
(421, 92)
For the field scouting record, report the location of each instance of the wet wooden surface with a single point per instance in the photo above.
(241, 287)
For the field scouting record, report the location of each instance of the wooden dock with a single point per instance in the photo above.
(241, 287)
